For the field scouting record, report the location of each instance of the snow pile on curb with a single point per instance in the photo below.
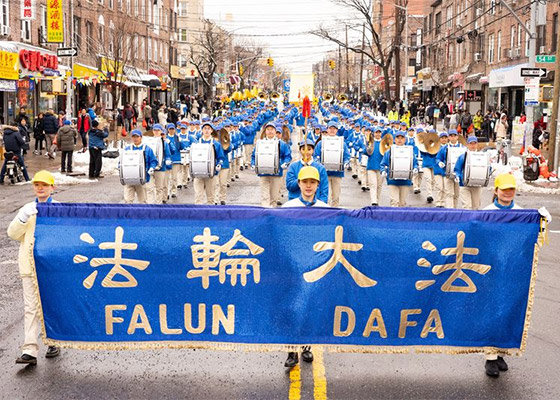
(515, 167)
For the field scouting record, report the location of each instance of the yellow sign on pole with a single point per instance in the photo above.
(9, 65)
(55, 25)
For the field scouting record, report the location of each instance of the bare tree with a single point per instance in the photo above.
(208, 51)
(381, 52)
(247, 55)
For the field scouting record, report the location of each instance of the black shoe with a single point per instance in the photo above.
(359, 181)
(227, 184)
(367, 188)
(223, 203)
(52, 352)
(70, 171)
(179, 186)
(354, 176)
(416, 191)
(278, 203)
(430, 199)
(439, 206)
(241, 167)
(374, 204)
(292, 360)
(236, 176)
(307, 355)
(364, 188)
(492, 368)
(27, 359)
(233, 179)
(62, 171)
(502, 364)
(173, 196)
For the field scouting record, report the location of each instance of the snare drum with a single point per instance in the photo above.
(185, 156)
(156, 144)
(203, 160)
(402, 163)
(132, 167)
(332, 153)
(267, 157)
(453, 154)
(364, 160)
(477, 169)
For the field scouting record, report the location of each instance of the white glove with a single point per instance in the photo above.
(384, 174)
(252, 167)
(167, 141)
(27, 211)
(284, 166)
(441, 164)
(457, 179)
(415, 170)
(168, 163)
(545, 214)
(151, 171)
(347, 165)
(218, 167)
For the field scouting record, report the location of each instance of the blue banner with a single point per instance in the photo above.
(371, 280)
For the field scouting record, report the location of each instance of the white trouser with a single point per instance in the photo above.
(375, 181)
(398, 195)
(439, 190)
(174, 179)
(363, 175)
(204, 186)
(470, 197)
(270, 190)
(417, 180)
(334, 190)
(160, 178)
(221, 185)
(429, 179)
(31, 321)
(451, 189)
(248, 153)
(131, 191)
(184, 175)
(151, 190)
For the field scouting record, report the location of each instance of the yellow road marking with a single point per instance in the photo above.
(319, 378)
(295, 383)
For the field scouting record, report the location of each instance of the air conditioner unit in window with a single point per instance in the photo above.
(4, 30)
(478, 12)
(517, 52)
(509, 53)
(478, 56)
(542, 50)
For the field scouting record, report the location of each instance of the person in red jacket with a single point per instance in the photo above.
(84, 125)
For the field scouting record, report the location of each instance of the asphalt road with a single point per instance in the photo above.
(203, 374)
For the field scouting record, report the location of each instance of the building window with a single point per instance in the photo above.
(142, 48)
(449, 17)
(499, 50)
(519, 36)
(182, 60)
(438, 23)
(149, 48)
(26, 30)
(100, 1)
(541, 39)
(182, 11)
(43, 29)
(136, 8)
(89, 35)
(490, 49)
(527, 40)
(512, 38)
(183, 37)
(4, 13)
(128, 7)
(101, 38)
(111, 4)
(492, 7)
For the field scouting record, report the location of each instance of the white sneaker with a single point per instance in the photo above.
(36, 152)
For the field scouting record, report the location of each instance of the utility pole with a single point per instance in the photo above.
(362, 58)
(69, 89)
(339, 68)
(554, 144)
(347, 65)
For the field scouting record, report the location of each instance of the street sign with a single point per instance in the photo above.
(545, 58)
(67, 51)
(533, 72)
(532, 90)
(473, 95)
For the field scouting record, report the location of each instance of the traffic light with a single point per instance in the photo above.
(270, 62)
(332, 64)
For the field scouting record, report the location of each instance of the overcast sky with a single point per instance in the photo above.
(296, 51)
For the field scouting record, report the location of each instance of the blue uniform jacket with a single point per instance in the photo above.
(292, 180)
(375, 158)
(345, 158)
(386, 163)
(175, 147)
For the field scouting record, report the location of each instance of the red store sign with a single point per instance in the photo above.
(35, 61)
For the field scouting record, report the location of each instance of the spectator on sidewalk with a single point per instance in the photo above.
(96, 146)
(66, 140)
(84, 125)
(50, 125)
(39, 133)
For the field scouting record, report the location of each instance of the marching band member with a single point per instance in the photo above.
(398, 188)
(428, 165)
(270, 184)
(361, 147)
(410, 141)
(375, 157)
(22, 229)
(335, 177)
(150, 161)
(160, 175)
(185, 139)
(450, 187)
(470, 196)
(439, 174)
(237, 138)
(248, 141)
(175, 147)
(206, 186)
(225, 172)
(292, 183)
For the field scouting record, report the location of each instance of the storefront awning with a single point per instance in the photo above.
(132, 74)
(85, 72)
(473, 77)
(507, 77)
(424, 73)
(484, 79)
(134, 84)
(150, 80)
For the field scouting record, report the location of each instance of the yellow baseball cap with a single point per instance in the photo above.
(43, 176)
(308, 172)
(505, 181)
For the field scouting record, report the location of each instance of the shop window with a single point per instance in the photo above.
(554, 42)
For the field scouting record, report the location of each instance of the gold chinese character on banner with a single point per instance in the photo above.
(208, 262)
(117, 262)
(458, 267)
(337, 257)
